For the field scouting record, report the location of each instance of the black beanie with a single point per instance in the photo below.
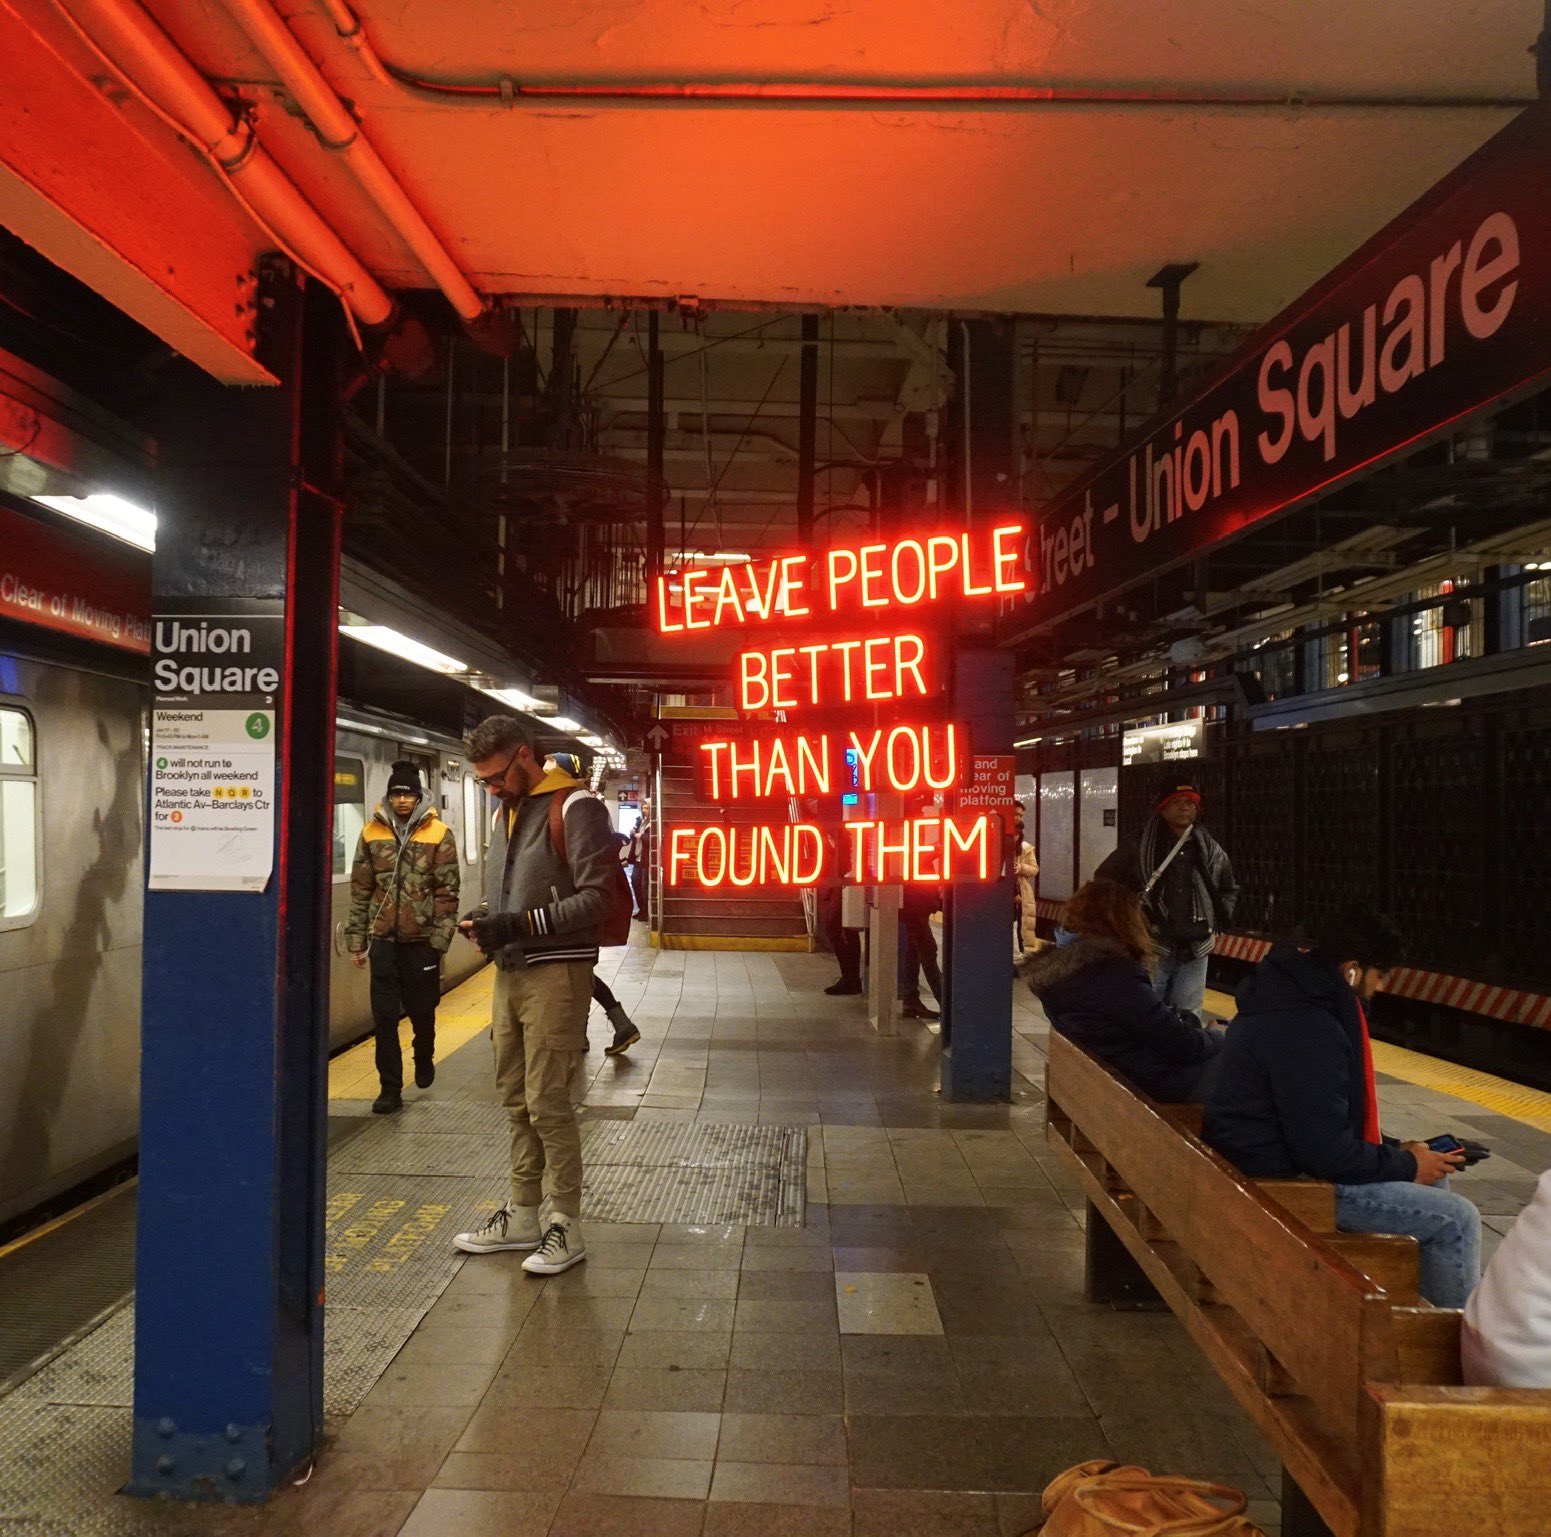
(405, 776)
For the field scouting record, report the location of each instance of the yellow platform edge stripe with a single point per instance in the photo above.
(788, 942)
(463, 1014)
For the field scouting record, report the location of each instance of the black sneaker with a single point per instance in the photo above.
(425, 1074)
(387, 1102)
(843, 988)
(914, 1008)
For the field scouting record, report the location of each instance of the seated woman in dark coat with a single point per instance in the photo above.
(1097, 991)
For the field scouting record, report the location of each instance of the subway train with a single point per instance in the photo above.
(74, 739)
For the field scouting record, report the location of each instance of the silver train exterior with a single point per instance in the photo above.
(75, 744)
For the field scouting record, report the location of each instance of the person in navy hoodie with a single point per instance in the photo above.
(1097, 990)
(1295, 1096)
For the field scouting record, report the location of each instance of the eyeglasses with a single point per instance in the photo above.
(490, 781)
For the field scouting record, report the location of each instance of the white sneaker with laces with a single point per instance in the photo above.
(562, 1247)
(507, 1227)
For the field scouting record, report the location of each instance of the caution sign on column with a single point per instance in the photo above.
(216, 666)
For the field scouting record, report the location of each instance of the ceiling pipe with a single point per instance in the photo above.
(340, 133)
(136, 45)
(863, 94)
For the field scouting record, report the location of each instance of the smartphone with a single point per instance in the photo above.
(1446, 1144)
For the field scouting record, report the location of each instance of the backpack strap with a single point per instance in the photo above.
(558, 807)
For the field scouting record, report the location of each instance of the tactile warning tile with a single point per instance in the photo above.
(1530, 1106)
(673, 1172)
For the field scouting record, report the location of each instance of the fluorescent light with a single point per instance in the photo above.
(512, 696)
(1029, 741)
(563, 723)
(591, 740)
(390, 640)
(111, 514)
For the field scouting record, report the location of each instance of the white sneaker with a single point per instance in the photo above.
(562, 1247)
(508, 1227)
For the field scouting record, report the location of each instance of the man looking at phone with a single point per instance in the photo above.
(1295, 1096)
(550, 869)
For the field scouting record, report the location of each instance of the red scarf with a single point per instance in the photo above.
(1371, 1108)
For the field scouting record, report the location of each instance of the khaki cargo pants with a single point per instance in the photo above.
(540, 1032)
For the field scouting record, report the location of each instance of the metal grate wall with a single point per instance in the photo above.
(1443, 817)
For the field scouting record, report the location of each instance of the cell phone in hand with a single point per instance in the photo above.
(1446, 1144)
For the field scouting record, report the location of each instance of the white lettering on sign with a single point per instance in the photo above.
(1460, 295)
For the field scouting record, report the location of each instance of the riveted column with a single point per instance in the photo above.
(229, 1264)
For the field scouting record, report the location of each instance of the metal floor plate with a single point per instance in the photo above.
(664, 1171)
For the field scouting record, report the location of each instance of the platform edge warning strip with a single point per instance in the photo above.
(1508, 1005)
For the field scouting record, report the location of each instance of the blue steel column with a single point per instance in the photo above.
(229, 1263)
(977, 969)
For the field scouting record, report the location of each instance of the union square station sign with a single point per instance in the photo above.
(1446, 311)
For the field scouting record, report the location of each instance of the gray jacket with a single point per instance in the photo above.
(563, 901)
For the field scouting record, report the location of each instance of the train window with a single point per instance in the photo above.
(349, 810)
(18, 818)
(473, 819)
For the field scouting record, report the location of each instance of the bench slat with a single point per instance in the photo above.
(1467, 1460)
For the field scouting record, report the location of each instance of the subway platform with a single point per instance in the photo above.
(817, 1300)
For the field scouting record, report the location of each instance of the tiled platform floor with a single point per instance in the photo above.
(916, 1361)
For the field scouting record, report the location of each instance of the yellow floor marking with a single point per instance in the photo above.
(360, 1233)
(464, 1013)
(408, 1238)
(1498, 1095)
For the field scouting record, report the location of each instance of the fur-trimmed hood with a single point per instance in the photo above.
(1051, 967)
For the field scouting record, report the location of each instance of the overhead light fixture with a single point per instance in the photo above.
(1029, 741)
(591, 740)
(563, 723)
(110, 514)
(390, 640)
(512, 696)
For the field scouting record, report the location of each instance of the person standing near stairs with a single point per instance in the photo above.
(403, 913)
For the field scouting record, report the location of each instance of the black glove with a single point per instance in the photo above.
(496, 931)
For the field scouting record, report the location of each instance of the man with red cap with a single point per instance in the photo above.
(1187, 888)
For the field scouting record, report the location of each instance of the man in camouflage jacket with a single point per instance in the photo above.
(403, 914)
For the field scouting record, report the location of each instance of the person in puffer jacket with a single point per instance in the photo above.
(403, 914)
(1096, 990)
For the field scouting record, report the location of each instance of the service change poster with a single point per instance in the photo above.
(216, 666)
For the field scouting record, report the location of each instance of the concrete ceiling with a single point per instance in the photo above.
(1263, 141)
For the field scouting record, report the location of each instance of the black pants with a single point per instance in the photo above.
(920, 955)
(602, 995)
(843, 941)
(406, 979)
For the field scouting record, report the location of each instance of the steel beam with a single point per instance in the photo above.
(234, 1022)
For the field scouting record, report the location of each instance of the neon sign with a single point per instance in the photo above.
(876, 670)
(902, 759)
(893, 668)
(859, 579)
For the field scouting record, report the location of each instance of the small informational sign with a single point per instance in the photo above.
(216, 670)
(990, 787)
(1161, 744)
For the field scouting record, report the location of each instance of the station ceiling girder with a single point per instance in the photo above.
(89, 178)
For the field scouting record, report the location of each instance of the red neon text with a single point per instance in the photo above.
(922, 849)
(903, 574)
(791, 855)
(923, 570)
(900, 758)
(832, 672)
(736, 594)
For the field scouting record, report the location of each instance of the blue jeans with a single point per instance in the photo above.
(1446, 1225)
(1180, 979)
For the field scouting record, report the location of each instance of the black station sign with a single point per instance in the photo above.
(1445, 311)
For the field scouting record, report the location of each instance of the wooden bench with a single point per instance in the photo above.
(1320, 1335)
